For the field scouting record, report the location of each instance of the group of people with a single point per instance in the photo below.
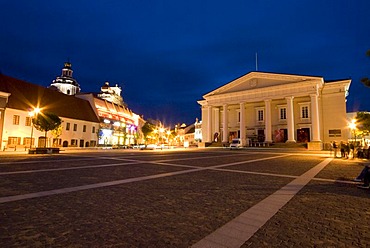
(350, 150)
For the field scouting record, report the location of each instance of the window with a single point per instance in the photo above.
(68, 126)
(74, 127)
(84, 129)
(335, 133)
(93, 143)
(93, 129)
(27, 141)
(16, 119)
(260, 115)
(28, 121)
(282, 115)
(73, 142)
(13, 141)
(57, 142)
(304, 112)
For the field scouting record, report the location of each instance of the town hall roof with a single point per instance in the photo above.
(27, 96)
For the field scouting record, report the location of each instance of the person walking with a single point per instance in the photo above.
(335, 148)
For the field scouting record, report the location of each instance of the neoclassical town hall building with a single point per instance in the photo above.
(264, 108)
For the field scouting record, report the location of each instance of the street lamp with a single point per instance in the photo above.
(352, 126)
(168, 138)
(161, 130)
(35, 111)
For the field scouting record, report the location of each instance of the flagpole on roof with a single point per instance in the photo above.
(256, 62)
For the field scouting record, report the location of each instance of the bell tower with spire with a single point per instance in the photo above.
(66, 83)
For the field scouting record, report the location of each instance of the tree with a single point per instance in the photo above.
(45, 122)
(366, 80)
(57, 132)
(363, 123)
(147, 129)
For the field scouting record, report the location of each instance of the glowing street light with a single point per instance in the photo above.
(32, 114)
(352, 125)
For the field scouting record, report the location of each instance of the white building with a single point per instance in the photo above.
(18, 99)
(270, 107)
(118, 125)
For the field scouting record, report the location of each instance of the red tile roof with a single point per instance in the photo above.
(26, 96)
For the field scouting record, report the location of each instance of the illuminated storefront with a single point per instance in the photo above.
(119, 126)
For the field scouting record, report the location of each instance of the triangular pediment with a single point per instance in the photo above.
(256, 80)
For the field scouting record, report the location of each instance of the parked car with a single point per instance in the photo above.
(235, 144)
(149, 147)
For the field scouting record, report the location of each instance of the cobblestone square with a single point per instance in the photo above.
(177, 198)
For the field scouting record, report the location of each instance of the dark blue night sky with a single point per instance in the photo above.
(167, 54)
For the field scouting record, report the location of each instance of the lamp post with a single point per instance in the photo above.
(161, 130)
(352, 126)
(32, 114)
(168, 138)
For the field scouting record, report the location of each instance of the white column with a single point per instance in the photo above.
(217, 122)
(225, 121)
(209, 124)
(242, 124)
(315, 118)
(268, 128)
(290, 119)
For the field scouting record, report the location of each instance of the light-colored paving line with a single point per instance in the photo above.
(65, 169)
(236, 232)
(175, 159)
(46, 161)
(91, 186)
(128, 162)
(123, 181)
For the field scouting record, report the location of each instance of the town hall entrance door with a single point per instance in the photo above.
(303, 135)
(261, 135)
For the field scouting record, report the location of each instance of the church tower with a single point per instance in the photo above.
(66, 83)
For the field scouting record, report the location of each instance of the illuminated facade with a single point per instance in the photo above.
(268, 107)
(79, 127)
(119, 126)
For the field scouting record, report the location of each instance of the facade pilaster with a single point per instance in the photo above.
(268, 127)
(315, 118)
(217, 121)
(225, 123)
(209, 124)
(242, 124)
(290, 119)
